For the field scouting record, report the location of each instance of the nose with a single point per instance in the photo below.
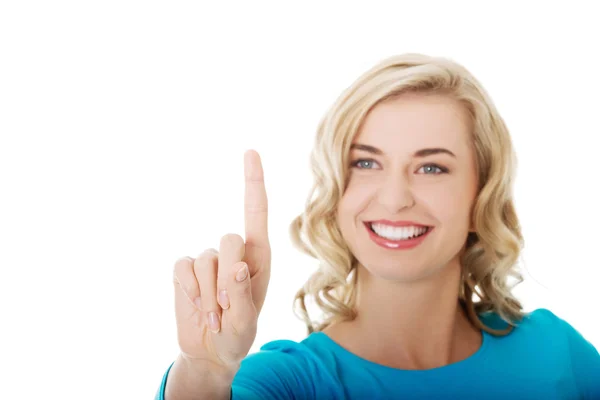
(396, 193)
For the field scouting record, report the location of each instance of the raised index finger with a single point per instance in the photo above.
(255, 201)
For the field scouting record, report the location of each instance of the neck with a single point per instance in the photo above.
(417, 325)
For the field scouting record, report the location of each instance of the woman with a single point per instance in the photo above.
(413, 222)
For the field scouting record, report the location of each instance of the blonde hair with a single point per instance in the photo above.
(491, 252)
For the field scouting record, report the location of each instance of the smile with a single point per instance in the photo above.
(397, 238)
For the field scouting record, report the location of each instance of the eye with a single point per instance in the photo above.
(366, 163)
(431, 167)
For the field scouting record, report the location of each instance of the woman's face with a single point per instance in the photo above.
(398, 180)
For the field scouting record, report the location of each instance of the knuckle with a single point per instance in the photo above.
(179, 268)
(231, 239)
(257, 209)
(183, 262)
(205, 259)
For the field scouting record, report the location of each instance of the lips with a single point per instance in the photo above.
(369, 225)
(390, 244)
(397, 223)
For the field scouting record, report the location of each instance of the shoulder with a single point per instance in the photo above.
(283, 355)
(577, 344)
(539, 332)
(584, 357)
(290, 353)
(551, 340)
(537, 320)
(543, 316)
(545, 321)
(283, 369)
(542, 319)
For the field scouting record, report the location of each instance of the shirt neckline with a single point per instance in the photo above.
(343, 353)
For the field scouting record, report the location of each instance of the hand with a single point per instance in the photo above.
(221, 329)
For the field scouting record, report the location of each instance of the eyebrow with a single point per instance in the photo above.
(419, 153)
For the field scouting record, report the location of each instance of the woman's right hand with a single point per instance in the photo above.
(220, 330)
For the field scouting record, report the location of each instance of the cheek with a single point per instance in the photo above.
(364, 187)
(349, 208)
(355, 198)
(449, 205)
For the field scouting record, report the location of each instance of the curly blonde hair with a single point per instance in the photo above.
(491, 252)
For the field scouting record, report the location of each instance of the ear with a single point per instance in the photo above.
(472, 219)
(472, 226)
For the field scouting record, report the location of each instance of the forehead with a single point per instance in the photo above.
(414, 120)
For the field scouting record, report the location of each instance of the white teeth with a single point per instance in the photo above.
(398, 233)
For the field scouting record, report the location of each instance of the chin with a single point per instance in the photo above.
(394, 272)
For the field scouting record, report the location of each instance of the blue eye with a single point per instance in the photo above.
(366, 161)
(442, 169)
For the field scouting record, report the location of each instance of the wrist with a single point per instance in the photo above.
(219, 372)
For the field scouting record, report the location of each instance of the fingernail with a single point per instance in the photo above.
(197, 302)
(213, 321)
(224, 299)
(242, 273)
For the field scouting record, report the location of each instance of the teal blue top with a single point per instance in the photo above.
(543, 358)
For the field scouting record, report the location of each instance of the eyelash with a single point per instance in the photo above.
(442, 169)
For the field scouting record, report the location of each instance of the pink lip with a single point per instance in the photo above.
(396, 244)
(396, 223)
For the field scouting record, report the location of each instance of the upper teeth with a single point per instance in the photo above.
(398, 233)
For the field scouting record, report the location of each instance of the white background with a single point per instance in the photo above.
(123, 126)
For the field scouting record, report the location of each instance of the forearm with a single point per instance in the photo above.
(195, 381)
